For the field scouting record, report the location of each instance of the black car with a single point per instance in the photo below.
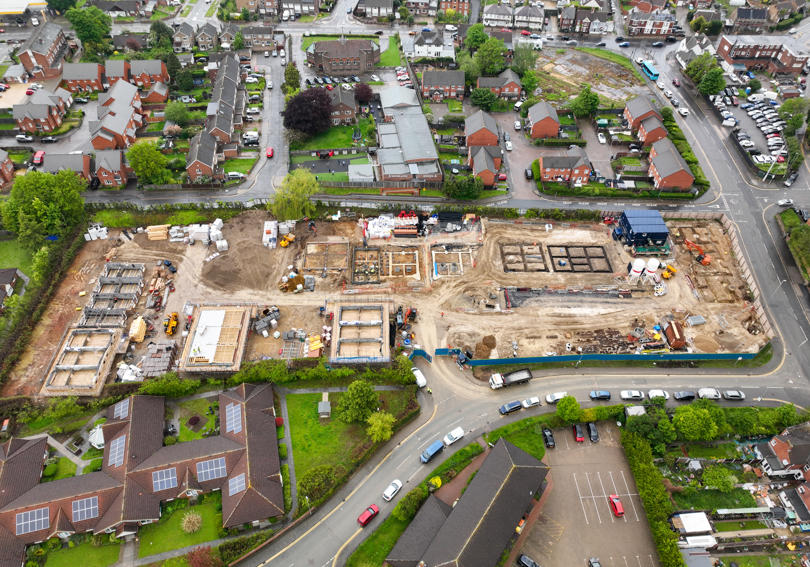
(593, 433)
(684, 396)
(80, 100)
(548, 438)
(308, 82)
(789, 181)
(528, 173)
(671, 39)
(565, 38)
(48, 140)
(506, 409)
(601, 44)
(526, 561)
(658, 44)
(619, 39)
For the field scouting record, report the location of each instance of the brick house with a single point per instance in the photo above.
(480, 129)
(459, 6)
(251, 5)
(6, 169)
(771, 53)
(206, 37)
(78, 163)
(230, 29)
(119, 116)
(81, 77)
(201, 160)
(344, 107)
(119, 8)
(146, 72)
(130, 41)
(42, 53)
(667, 168)
(111, 168)
(138, 473)
(747, 19)
(584, 21)
(783, 9)
(543, 121)
(567, 18)
(506, 84)
(158, 92)
(42, 111)
(439, 85)
(637, 109)
(650, 130)
(691, 47)
(650, 5)
(433, 44)
(422, 7)
(376, 8)
(183, 38)
(786, 455)
(529, 17)
(574, 168)
(344, 56)
(498, 16)
(115, 70)
(658, 23)
(258, 36)
(485, 162)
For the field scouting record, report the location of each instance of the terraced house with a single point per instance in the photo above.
(42, 53)
(80, 77)
(439, 85)
(138, 473)
(574, 168)
(147, 72)
(42, 111)
(505, 85)
(111, 167)
(119, 116)
(667, 168)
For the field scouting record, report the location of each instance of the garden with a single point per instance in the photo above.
(197, 418)
(338, 137)
(86, 550)
(182, 525)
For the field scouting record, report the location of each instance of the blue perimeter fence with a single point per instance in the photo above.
(600, 357)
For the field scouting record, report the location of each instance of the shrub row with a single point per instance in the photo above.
(559, 142)
(236, 548)
(683, 147)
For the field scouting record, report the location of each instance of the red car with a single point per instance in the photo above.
(579, 436)
(38, 157)
(269, 152)
(525, 32)
(29, 91)
(368, 514)
(676, 82)
(329, 87)
(502, 177)
(616, 505)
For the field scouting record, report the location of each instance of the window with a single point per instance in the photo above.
(85, 509)
(116, 458)
(236, 484)
(165, 479)
(209, 470)
(33, 521)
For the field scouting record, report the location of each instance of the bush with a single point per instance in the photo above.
(169, 440)
(50, 470)
(169, 385)
(234, 549)
(191, 522)
(559, 142)
(409, 504)
(317, 482)
(282, 451)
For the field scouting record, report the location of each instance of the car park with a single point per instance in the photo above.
(548, 438)
(593, 432)
(531, 402)
(684, 396)
(510, 407)
(555, 397)
(579, 435)
(652, 394)
(389, 493)
(599, 395)
(616, 505)
(631, 395)
(733, 395)
(368, 514)
(709, 394)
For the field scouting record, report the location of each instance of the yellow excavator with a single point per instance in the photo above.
(669, 271)
(286, 240)
(170, 324)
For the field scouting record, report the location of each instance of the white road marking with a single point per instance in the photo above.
(416, 472)
(455, 422)
(627, 487)
(625, 561)
(584, 513)
(595, 507)
(604, 493)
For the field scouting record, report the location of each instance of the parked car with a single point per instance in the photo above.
(517, 125)
(631, 395)
(734, 395)
(601, 137)
(269, 152)
(593, 433)
(624, 44)
(658, 44)
(526, 561)
(652, 394)
(389, 493)
(23, 139)
(709, 394)
(600, 395)
(528, 173)
(531, 402)
(368, 514)
(420, 379)
(510, 407)
(579, 436)
(81, 100)
(683, 112)
(788, 182)
(548, 438)
(616, 505)
(594, 561)
(453, 436)
(684, 396)
(555, 397)
(48, 140)
(508, 145)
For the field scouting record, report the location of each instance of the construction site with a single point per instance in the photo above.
(350, 290)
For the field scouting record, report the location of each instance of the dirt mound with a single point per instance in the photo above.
(486, 345)
(489, 341)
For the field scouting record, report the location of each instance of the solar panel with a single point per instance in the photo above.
(33, 521)
(121, 410)
(233, 418)
(209, 470)
(117, 446)
(236, 484)
(165, 479)
(85, 509)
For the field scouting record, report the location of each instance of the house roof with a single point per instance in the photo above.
(208, 29)
(120, 40)
(229, 29)
(148, 66)
(503, 78)
(574, 158)
(18, 457)
(74, 486)
(651, 123)
(505, 37)
(41, 38)
(432, 37)
(128, 6)
(189, 450)
(160, 88)
(542, 110)
(482, 159)
(37, 105)
(667, 160)
(748, 13)
(203, 148)
(185, 29)
(477, 121)
(529, 12)
(342, 97)
(442, 78)
(497, 10)
(639, 106)
(115, 68)
(378, 4)
(7, 275)
(343, 47)
(257, 30)
(116, 108)
(81, 71)
(111, 160)
(3, 157)
(654, 16)
(416, 538)
(54, 163)
(795, 499)
(398, 97)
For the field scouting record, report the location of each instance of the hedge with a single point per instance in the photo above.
(236, 548)
(559, 142)
(682, 145)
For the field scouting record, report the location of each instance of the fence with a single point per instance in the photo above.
(686, 357)
(384, 184)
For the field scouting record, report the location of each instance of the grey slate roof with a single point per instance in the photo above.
(651, 123)
(751, 14)
(475, 122)
(185, 29)
(36, 106)
(378, 4)
(504, 77)
(203, 148)
(115, 117)
(398, 97)
(798, 504)
(433, 37)
(148, 66)
(639, 106)
(497, 9)
(111, 160)
(574, 158)
(341, 96)
(17, 458)
(443, 78)
(344, 47)
(3, 155)
(482, 159)
(54, 163)
(542, 110)
(668, 160)
(41, 38)
(80, 71)
(529, 12)
(115, 68)
(415, 540)
(208, 29)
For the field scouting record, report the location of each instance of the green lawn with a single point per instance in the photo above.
(713, 499)
(186, 10)
(779, 560)
(720, 451)
(453, 106)
(9, 126)
(3, 69)
(20, 156)
(307, 41)
(340, 176)
(92, 453)
(159, 14)
(12, 255)
(195, 407)
(242, 165)
(337, 137)
(371, 191)
(95, 465)
(64, 468)
(613, 58)
(630, 161)
(213, 8)
(167, 535)
(85, 555)
(391, 57)
(376, 547)
(733, 526)
(155, 126)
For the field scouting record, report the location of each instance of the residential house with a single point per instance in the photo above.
(118, 8)
(206, 37)
(658, 23)
(703, 4)
(138, 473)
(343, 56)
(120, 114)
(667, 168)
(111, 167)
(574, 168)
(799, 499)
(146, 72)
(42, 53)
(783, 9)
(77, 163)
(485, 162)
(227, 104)
(8, 279)
(376, 8)
(434, 44)
(202, 159)
(506, 84)
(650, 130)
(422, 7)
(6, 169)
(459, 6)
(708, 14)
(251, 5)
(300, 7)
(115, 70)
(650, 5)
(480, 129)
(476, 530)
(268, 7)
(183, 38)
(498, 16)
(42, 111)
(691, 47)
(776, 54)
(81, 77)
(185, 59)
(344, 107)
(230, 29)
(566, 20)
(529, 17)
(130, 41)
(543, 121)
(637, 109)
(748, 19)
(258, 36)
(439, 85)
(158, 92)
(786, 455)
(591, 22)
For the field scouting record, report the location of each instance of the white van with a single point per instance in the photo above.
(235, 175)
(518, 105)
(756, 97)
(421, 381)
(285, 16)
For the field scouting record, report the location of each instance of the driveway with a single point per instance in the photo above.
(576, 522)
(599, 154)
(522, 155)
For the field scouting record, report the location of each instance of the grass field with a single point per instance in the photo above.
(614, 58)
(211, 10)
(338, 177)
(371, 191)
(186, 10)
(454, 105)
(167, 534)
(12, 255)
(242, 165)
(195, 407)
(781, 560)
(714, 499)
(336, 137)
(85, 555)
(735, 525)
(391, 57)
(64, 468)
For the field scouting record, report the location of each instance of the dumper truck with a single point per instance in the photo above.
(521, 376)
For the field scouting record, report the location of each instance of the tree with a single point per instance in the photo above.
(523, 59)
(712, 82)
(484, 99)
(170, 385)
(755, 85)
(358, 402)
(529, 81)
(363, 93)
(172, 64)
(491, 56)
(719, 478)
(694, 423)
(568, 410)
(203, 557)
(61, 6)
(291, 200)
(475, 38)
(467, 64)
(148, 163)
(309, 111)
(238, 41)
(91, 24)
(586, 103)
(794, 107)
(316, 482)
(698, 24)
(667, 114)
(409, 505)
(160, 34)
(714, 27)
(42, 205)
(787, 415)
(245, 16)
(177, 112)
(184, 80)
(292, 79)
(404, 14)
(699, 66)
(380, 426)
(463, 187)
(41, 264)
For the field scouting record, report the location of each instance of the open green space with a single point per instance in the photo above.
(733, 526)
(630, 161)
(199, 407)
(798, 240)
(707, 451)
(12, 255)
(160, 13)
(697, 499)
(211, 9)
(613, 58)
(85, 555)
(64, 468)
(337, 137)
(116, 218)
(242, 165)
(775, 560)
(7, 126)
(337, 177)
(3, 69)
(64, 425)
(19, 156)
(309, 40)
(454, 105)
(167, 534)
(371, 191)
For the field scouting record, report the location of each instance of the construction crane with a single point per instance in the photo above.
(702, 258)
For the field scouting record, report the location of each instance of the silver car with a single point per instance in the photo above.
(631, 395)
(392, 490)
(709, 394)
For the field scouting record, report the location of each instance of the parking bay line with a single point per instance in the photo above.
(604, 494)
(595, 507)
(616, 491)
(581, 503)
(627, 487)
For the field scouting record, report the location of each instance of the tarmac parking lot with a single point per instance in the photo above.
(576, 522)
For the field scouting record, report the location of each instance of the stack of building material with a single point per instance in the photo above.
(96, 232)
(314, 346)
(222, 245)
(270, 234)
(405, 232)
(158, 232)
(159, 358)
(380, 227)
